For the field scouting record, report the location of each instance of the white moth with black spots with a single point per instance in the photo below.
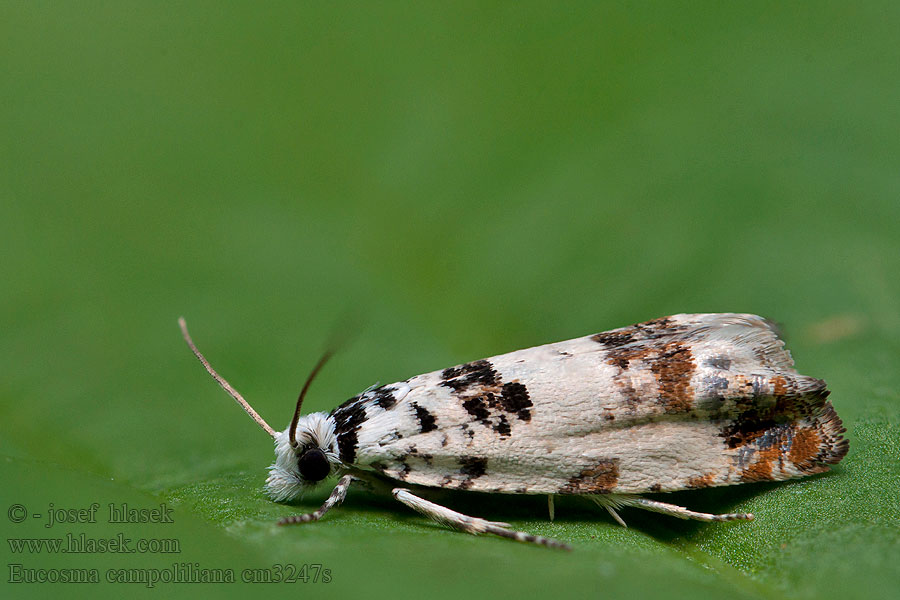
(687, 401)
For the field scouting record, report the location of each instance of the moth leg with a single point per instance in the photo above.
(551, 507)
(337, 496)
(611, 502)
(673, 510)
(473, 525)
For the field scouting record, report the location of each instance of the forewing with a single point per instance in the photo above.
(685, 401)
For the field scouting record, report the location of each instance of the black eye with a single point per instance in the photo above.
(313, 465)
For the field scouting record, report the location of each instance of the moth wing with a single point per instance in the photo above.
(685, 401)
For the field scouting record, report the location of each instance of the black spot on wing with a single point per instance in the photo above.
(502, 427)
(641, 332)
(478, 373)
(427, 421)
(347, 419)
(477, 408)
(514, 399)
(614, 339)
(471, 468)
(383, 397)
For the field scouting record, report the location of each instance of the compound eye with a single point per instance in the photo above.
(313, 465)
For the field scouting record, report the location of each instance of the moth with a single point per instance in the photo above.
(681, 402)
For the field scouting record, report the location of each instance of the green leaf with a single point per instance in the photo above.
(464, 180)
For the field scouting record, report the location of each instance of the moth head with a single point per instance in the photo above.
(303, 458)
(305, 453)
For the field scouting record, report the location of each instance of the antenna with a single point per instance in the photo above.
(312, 375)
(233, 392)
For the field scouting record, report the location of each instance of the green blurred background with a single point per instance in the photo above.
(463, 180)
